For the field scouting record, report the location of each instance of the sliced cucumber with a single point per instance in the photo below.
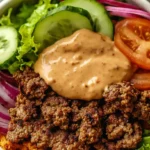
(100, 16)
(8, 45)
(59, 23)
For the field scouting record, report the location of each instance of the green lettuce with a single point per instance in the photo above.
(145, 144)
(28, 49)
(16, 20)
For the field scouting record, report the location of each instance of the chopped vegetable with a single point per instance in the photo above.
(7, 77)
(8, 45)
(4, 113)
(132, 37)
(123, 9)
(117, 4)
(120, 11)
(100, 17)
(144, 4)
(56, 24)
(8, 94)
(145, 145)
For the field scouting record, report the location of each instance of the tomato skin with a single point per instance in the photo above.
(141, 80)
(132, 38)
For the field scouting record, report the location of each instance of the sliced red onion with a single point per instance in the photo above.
(7, 77)
(3, 121)
(4, 113)
(120, 11)
(10, 90)
(125, 15)
(3, 130)
(5, 97)
(3, 127)
(4, 103)
(144, 4)
(117, 3)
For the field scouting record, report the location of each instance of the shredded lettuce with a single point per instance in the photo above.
(145, 144)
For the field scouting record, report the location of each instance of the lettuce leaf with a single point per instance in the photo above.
(16, 20)
(5, 20)
(145, 144)
(28, 49)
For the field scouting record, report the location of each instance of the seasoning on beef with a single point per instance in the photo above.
(30, 84)
(25, 110)
(56, 110)
(90, 129)
(41, 134)
(68, 141)
(120, 96)
(19, 131)
(116, 126)
(142, 107)
(126, 134)
(48, 120)
(75, 117)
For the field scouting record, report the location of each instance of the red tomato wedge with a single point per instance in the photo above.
(132, 38)
(141, 80)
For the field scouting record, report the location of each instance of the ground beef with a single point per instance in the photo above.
(142, 107)
(19, 130)
(30, 84)
(68, 142)
(120, 96)
(51, 121)
(126, 134)
(90, 129)
(75, 117)
(41, 133)
(25, 110)
(100, 146)
(56, 110)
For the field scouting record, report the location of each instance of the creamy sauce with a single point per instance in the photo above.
(82, 65)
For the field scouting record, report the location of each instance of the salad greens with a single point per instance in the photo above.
(25, 22)
(36, 25)
(145, 144)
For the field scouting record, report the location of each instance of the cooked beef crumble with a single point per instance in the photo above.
(51, 121)
(30, 84)
(121, 96)
(56, 111)
(142, 107)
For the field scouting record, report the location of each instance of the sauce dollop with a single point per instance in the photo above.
(82, 65)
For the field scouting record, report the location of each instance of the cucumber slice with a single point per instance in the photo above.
(61, 22)
(8, 45)
(103, 23)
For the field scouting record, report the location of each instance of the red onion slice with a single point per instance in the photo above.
(118, 4)
(121, 11)
(3, 127)
(4, 113)
(7, 77)
(11, 90)
(4, 96)
(3, 130)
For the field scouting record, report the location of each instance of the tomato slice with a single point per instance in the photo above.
(132, 37)
(141, 80)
